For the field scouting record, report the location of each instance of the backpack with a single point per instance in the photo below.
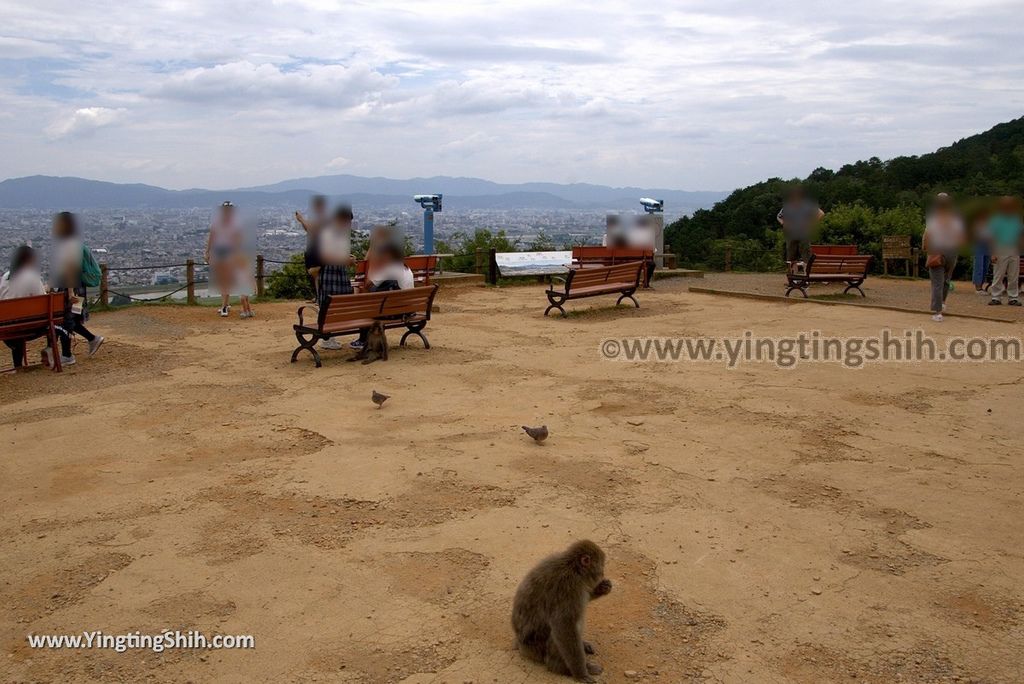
(91, 274)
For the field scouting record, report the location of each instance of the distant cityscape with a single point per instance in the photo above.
(157, 239)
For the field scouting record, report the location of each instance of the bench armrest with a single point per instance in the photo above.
(303, 308)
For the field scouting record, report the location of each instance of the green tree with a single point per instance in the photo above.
(291, 281)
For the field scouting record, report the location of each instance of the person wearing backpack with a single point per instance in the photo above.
(74, 269)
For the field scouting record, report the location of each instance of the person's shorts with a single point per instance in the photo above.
(221, 252)
(311, 258)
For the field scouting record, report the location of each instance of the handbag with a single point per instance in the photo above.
(935, 261)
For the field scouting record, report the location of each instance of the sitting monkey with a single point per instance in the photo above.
(550, 605)
(376, 346)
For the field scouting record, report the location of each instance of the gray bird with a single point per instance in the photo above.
(379, 398)
(539, 434)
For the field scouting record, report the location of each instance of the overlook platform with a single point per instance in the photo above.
(761, 524)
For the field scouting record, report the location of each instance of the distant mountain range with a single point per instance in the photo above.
(52, 192)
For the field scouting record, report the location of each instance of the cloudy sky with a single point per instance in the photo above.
(687, 95)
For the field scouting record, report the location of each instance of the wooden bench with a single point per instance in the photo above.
(349, 314)
(422, 266)
(851, 270)
(622, 279)
(597, 255)
(22, 318)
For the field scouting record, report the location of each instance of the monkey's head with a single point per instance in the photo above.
(587, 561)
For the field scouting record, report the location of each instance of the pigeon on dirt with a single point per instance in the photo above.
(539, 434)
(379, 398)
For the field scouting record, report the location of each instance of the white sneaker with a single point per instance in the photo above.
(94, 346)
(937, 318)
(223, 311)
(331, 343)
(67, 360)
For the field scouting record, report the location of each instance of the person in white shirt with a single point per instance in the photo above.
(222, 248)
(23, 280)
(943, 238)
(66, 274)
(389, 273)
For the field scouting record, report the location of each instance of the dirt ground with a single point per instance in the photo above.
(899, 292)
(761, 525)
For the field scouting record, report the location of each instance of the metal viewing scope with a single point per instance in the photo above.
(652, 206)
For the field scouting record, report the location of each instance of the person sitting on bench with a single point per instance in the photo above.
(23, 280)
(389, 273)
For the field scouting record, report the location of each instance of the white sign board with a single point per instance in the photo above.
(532, 263)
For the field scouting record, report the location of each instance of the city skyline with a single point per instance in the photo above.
(693, 96)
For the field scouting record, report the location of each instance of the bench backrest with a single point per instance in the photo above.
(26, 314)
(421, 265)
(588, 277)
(609, 256)
(343, 309)
(833, 250)
(837, 264)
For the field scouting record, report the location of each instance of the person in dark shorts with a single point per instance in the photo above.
(318, 218)
(798, 217)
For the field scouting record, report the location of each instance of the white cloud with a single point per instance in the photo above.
(684, 93)
(253, 85)
(84, 122)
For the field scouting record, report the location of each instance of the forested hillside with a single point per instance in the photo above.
(863, 201)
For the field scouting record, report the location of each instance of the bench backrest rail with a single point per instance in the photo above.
(25, 314)
(367, 305)
(589, 277)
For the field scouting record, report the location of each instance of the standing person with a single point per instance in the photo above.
(243, 280)
(23, 280)
(335, 250)
(1004, 230)
(798, 217)
(982, 257)
(222, 247)
(318, 218)
(943, 238)
(70, 253)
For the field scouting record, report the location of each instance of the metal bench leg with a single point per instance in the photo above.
(309, 345)
(802, 289)
(855, 286)
(627, 296)
(415, 330)
(556, 303)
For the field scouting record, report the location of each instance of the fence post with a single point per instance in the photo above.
(259, 275)
(492, 267)
(190, 281)
(728, 258)
(104, 286)
(478, 264)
